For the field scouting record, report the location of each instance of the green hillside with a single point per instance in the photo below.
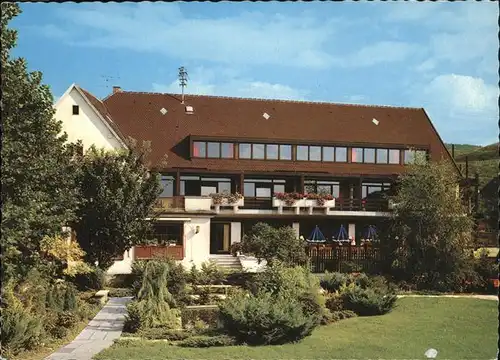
(484, 160)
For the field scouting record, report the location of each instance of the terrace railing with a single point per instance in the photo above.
(344, 258)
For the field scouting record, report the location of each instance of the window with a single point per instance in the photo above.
(285, 152)
(207, 190)
(258, 151)
(328, 153)
(357, 155)
(374, 189)
(227, 150)
(302, 152)
(369, 156)
(272, 152)
(278, 188)
(264, 192)
(249, 189)
(315, 153)
(245, 151)
(167, 183)
(213, 150)
(341, 154)
(409, 157)
(421, 155)
(382, 156)
(199, 149)
(322, 187)
(394, 156)
(76, 109)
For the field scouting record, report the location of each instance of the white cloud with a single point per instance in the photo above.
(212, 82)
(463, 107)
(457, 32)
(464, 95)
(248, 38)
(426, 66)
(380, 52)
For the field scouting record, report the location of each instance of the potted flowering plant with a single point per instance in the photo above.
(289, 198)
(217, 198)
(233, 198)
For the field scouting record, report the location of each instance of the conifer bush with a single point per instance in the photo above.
(153, 307)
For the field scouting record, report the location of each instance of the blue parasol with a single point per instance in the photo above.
(316, 236)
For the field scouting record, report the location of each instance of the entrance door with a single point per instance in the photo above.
(220, 238)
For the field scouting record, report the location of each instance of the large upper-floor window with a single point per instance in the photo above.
(263, 188)
(411, 155)
(213, 150)
(322, 187)
(204, 186)
(372, 189)
(269, 151)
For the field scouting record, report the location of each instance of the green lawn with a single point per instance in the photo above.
(457, 328)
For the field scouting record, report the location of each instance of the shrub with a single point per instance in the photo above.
(207, 341)
(176, 276)
(265, 319)
(133, 318)
(120, 292)
(289, 281)
(342, 314)
(21, 330)
(160, 333)
(209, 316)
(153, 305)
(70, 298)
(334, 302)
(332, 282)
(209, 274)
(271, 244)
(367, 302)
(242, 279)
(94, 280)
(66, 319)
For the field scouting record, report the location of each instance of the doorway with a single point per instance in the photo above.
(220, 238)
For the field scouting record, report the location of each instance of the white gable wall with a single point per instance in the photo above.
(87, 126)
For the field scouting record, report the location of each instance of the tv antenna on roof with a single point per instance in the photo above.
(183, 79)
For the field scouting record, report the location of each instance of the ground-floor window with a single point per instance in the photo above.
(169, 234)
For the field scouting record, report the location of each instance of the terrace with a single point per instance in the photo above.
(260, 194)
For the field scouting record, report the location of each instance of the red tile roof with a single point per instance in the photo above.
(138, 115)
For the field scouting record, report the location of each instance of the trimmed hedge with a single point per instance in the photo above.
(207, 341)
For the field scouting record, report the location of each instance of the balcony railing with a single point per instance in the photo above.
(170, 203)
(206, 203)
(381, 205)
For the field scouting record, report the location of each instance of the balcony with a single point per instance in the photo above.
(199, 204)
(309, 204)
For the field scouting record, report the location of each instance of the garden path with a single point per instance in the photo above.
(99, 334)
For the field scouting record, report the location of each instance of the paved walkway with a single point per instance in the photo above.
(99, 334)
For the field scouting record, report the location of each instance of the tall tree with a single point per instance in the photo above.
(430, 234)
(118, 192)
(38, 190)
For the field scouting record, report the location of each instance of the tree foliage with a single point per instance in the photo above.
(117, 193)
(38, 189)
(430, 234)
(271, 244)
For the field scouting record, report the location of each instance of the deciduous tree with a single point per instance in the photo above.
(430, 234)
(38, 189)
(117, 192)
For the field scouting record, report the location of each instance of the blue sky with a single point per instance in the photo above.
(440, 56)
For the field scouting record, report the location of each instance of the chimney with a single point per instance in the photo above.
(453, 151)
(116, 89)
